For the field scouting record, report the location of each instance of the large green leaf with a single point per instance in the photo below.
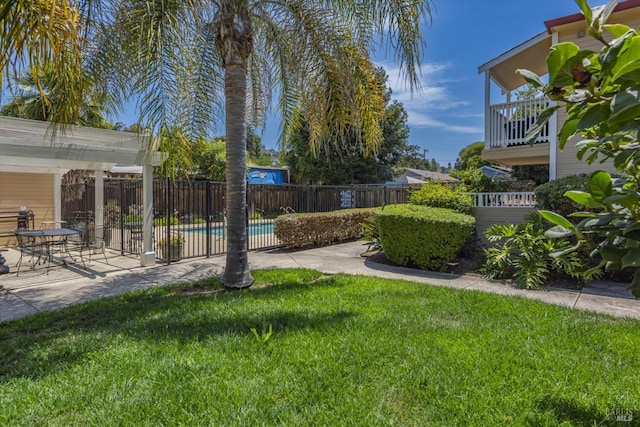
(535, 129)
(531, 78)
(631, 258)
(616, 30)
(625, 106)
(557, 219)
(558, 232)
(586, 10)
(567, 131)
(583, 198)
(612, 253)
(590, 118)
(600, 185)
(561, 61)
(628, 62)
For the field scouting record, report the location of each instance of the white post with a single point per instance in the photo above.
(487, 115)
(99, 206)
(148, 256)
(57, 196)
(553, 130)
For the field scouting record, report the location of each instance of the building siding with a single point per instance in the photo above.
(486, 217)
(567, 162)
(33, 190)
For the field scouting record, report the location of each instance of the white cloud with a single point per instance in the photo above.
(434, 105)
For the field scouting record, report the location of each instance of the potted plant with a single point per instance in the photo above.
(171, 248)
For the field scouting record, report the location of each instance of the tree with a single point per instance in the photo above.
(470, 157)
(600, 93)
(348, 162)
(191, 62)
(30, 103)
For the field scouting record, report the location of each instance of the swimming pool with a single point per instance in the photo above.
(255, 229)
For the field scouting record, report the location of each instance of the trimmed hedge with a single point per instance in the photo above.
(324, 228)
(442, 196)
(425, 236)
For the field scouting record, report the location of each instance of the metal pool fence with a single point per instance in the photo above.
(195, 210)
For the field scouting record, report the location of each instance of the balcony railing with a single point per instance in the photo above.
(524, 199)
(508, 123)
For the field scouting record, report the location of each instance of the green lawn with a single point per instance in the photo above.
(345, 350)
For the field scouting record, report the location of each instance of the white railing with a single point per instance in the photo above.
(508, 123)
(525, 199)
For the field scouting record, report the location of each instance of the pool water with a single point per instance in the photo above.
(255, 229)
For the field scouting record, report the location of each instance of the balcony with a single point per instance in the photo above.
(506, 127)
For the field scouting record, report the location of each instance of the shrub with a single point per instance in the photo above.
(522, 253)
(442, 196)
(550, 196)
(475, 181)
(311, 229)
(162, 221)
(425, 236)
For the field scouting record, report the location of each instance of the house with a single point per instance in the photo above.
(507, 121)
(419, 176)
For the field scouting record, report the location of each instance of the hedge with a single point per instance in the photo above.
(425, 236)
(324, 228)
(442, 196)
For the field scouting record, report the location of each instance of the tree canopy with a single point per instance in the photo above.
(192, 64)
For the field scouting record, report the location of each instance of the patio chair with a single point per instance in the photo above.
(82, 242)
(30, 246)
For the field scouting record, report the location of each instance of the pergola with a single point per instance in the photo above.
(31, 146)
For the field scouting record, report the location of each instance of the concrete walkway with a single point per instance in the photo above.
(35, 290)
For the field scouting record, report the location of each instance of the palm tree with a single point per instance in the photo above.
(190, 63)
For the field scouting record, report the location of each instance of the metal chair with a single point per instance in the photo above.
(83, 242)
(28, 245)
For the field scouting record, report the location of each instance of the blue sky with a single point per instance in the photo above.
(447, 114)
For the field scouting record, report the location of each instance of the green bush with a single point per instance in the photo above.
(475, 181)
(425, 236)
(550, 196)
(162, 221)
(311, 229)
(442, 196)
(521, 252)
(132, 218)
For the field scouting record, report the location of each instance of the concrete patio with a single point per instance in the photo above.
(35, 290)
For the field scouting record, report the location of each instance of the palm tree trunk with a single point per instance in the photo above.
(236, 274)
(235, 43)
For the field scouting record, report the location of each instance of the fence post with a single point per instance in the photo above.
(121, 217)
(208, 217)
(167, 216)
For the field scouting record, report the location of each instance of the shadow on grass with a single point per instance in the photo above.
(48, 342)
(569, 411)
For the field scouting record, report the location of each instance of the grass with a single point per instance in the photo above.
(300, 348)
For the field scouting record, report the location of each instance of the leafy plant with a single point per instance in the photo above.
(173, 240)
(601, 94)
(264, 336)
(162, 221)
(371, 234)
(522, 252)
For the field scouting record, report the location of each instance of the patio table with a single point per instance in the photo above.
(53, 238)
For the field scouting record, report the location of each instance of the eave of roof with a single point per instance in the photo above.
(577, 17)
